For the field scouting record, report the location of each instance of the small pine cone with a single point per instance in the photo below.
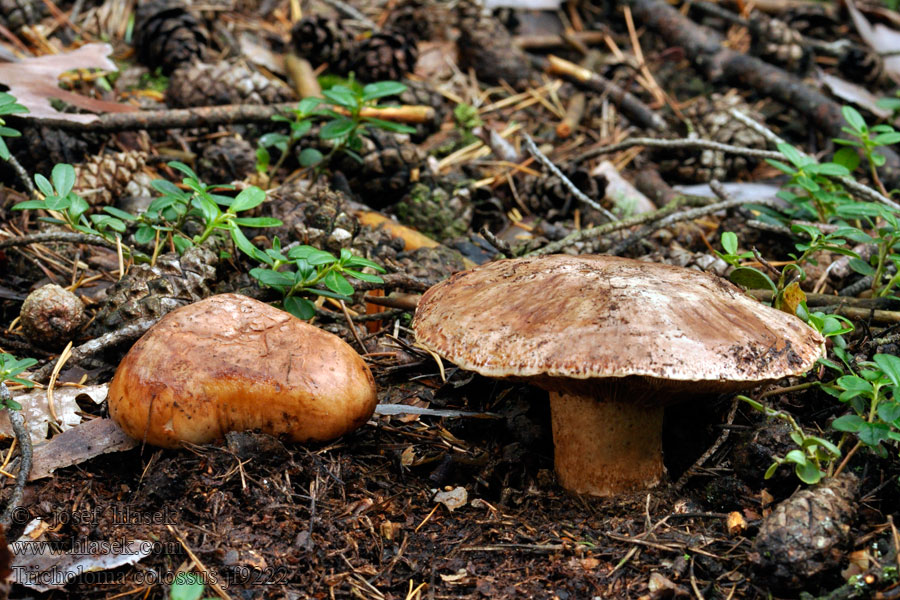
(387, 170)
(42, 147)
(862, 64)
(321, 40)
(203, 84)
(167, 36)
(713, 121)
(436, 212)
(152, 291)
(422, 93)
(227, 159)
(806, 536)
(414, 18)
(486, 46)
(776, 42)
(102, 179)
(384, 56)
(548, 197)
(15, 14)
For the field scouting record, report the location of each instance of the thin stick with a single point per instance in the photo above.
(533, 149)
(352, 327)
(22, 436)
(22, 174)
(57, 236)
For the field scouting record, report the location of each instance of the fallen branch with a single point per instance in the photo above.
(24, 439)
(211, 116)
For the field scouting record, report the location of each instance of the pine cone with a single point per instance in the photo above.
(102, 179)
(806, 535)
(863, 65)
(548, 197)
(385, 174)
(227, 159)
(42, 147)
(776, 42)
(225, 82)
(713, 121)
(414, 18)
(321, 40)
(152, 291)
(486, 46)
(15, 14)
(384, 56)
(167, 36)
(436, 212)
(423, 93)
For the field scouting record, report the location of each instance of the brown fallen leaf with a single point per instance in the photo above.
(34, 81)
(75, 446)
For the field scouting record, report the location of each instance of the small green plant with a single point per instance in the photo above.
(8, 106)
(10, 369)
(342, 110)
(875, 416)
(868, 139)
(305, 270)
(812, 190)
(72, 208)
(811, 459)
(467, 119)
(176, 210)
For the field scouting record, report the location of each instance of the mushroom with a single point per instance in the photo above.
(614, 341)
(231, 363)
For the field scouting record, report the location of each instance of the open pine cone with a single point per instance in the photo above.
(166, 35)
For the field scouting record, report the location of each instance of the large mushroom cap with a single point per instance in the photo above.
(586, 317)
(231, 363)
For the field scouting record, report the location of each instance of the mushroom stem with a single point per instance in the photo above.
(603, 448)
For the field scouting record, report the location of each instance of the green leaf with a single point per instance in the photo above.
(796, 456)
(118, 212)
(250, 197)
(872, 434)
(145, 234)
(850, 423)
(63, 177)
(854, 383)
(30, 205)
(854, 119)
(887, 139)
(890, 364)
(889, 411)
(58, 202)
(78, 207)
(862, 267)
(43, 185)
(363, 276)
(808, 473)
(770, 472)
(257, 222)
(829, 169)
(342, 96)
(278, 140)
(166, 187)
(793, 155)
(389, 125)
(307, 105)
(359, 261)
(10, 132)
(310, 157)
(319, 257)
(382, 89)
(181, 244)
(4, 150)
(187, 586)
(781, 166)
(244, 245)
(751, 278)
(275, 279)
(300, 307)
(337, 129)
(730, 242)
(337, 283)
(207, 208)
(184, 169)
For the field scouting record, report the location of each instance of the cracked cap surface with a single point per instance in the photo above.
(594, 316)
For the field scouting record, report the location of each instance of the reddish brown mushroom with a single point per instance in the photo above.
(613, 340)
(231, 363)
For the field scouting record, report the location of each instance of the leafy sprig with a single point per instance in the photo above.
(8, 106)
(10, 369)
(308, 270)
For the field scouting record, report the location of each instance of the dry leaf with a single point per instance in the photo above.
(37, 412)
(881, 39)
(34, 81)
(81, 443)
(855, 94)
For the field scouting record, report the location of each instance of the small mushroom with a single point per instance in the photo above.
(614, 341)
(231, 363)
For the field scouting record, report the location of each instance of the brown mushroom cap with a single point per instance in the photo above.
(231, 363)
(607, 336)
